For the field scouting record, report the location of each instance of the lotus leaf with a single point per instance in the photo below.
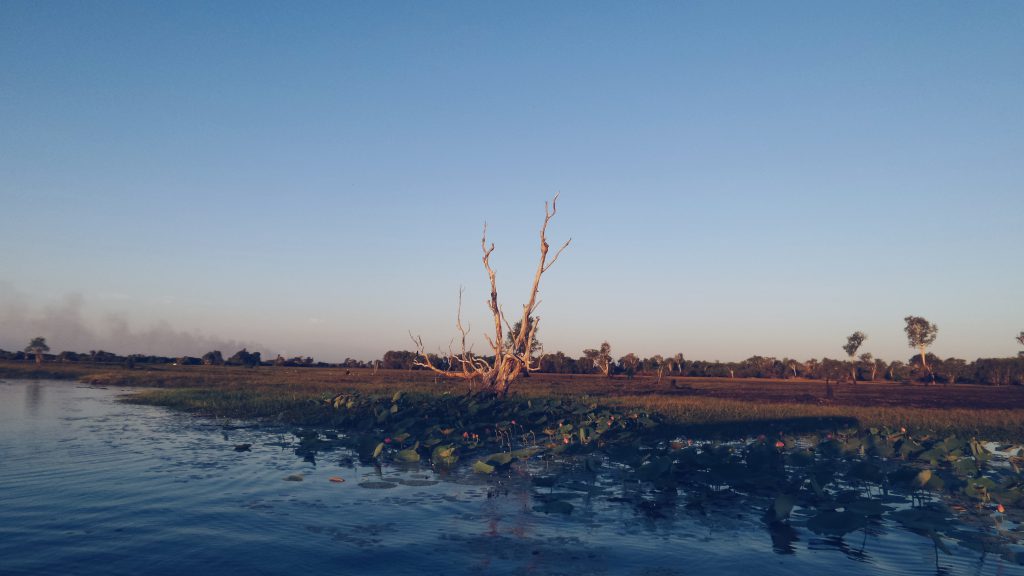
(407, 455)
(483, 468)
(499, 459)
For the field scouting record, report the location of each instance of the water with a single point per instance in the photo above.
(89, 485)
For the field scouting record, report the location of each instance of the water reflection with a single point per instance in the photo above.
(78, 483)
(33, 399)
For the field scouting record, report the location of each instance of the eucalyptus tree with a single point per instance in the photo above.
(510, 338)
(1021, 340)
(600, 359)
(853, 342)
(879, 366)
(920, 335)
(629, 362)
(38, 347)
(868, 362)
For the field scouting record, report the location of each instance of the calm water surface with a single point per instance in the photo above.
(89, 485)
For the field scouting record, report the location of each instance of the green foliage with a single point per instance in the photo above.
(37, 345)
(920, 332)
(853, 342)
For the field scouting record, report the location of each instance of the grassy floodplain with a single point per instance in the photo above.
(699, 407)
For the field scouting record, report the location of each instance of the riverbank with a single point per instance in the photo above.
(701, 407)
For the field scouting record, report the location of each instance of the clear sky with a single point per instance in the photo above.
(311, 178)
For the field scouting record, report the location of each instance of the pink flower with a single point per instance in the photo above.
(565, 440)
(387, 440)
(780, 444)
(513, 422)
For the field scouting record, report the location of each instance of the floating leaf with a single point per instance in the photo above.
(407, 455)
(499, 459)
(294, 478)
(482, 468)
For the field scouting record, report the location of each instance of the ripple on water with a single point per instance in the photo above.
(113, 489)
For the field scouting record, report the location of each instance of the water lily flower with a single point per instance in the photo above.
(780, 444)
(1000, 509)
(387, 440)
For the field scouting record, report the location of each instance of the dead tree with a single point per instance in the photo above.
(510, 358)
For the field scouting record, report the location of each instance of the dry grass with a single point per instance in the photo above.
(697, 406)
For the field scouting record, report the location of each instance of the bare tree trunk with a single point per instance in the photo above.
(514, 359)
(39, 357)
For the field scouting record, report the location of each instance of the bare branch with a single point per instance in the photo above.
(509, 361)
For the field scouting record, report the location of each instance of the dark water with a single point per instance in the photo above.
(92, 486)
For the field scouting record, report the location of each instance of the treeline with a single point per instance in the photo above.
(213, 358)
(991, 371)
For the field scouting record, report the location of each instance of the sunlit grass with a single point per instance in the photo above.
(290, 395)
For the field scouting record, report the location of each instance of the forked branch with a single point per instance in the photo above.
(509, 359)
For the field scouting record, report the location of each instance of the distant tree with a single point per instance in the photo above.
(868, 362)
(879, 366)
(920, 335)
(678, 363)
(853, 342)
(510, 338)
(812, 368)
(557, 363)
(952, 369)
(244, 358)
(1021, 340)
(897, 371)
(213, 358)
(398, 360)
(832, 370)
(629, 362)
(38, 347)
(791, 366)
(601, 359)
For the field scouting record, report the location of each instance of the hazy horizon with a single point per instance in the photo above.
(738, 179)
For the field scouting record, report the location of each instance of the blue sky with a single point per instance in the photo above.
(738, 178)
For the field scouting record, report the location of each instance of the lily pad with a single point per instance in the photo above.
(407, 455)
(482, 468)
